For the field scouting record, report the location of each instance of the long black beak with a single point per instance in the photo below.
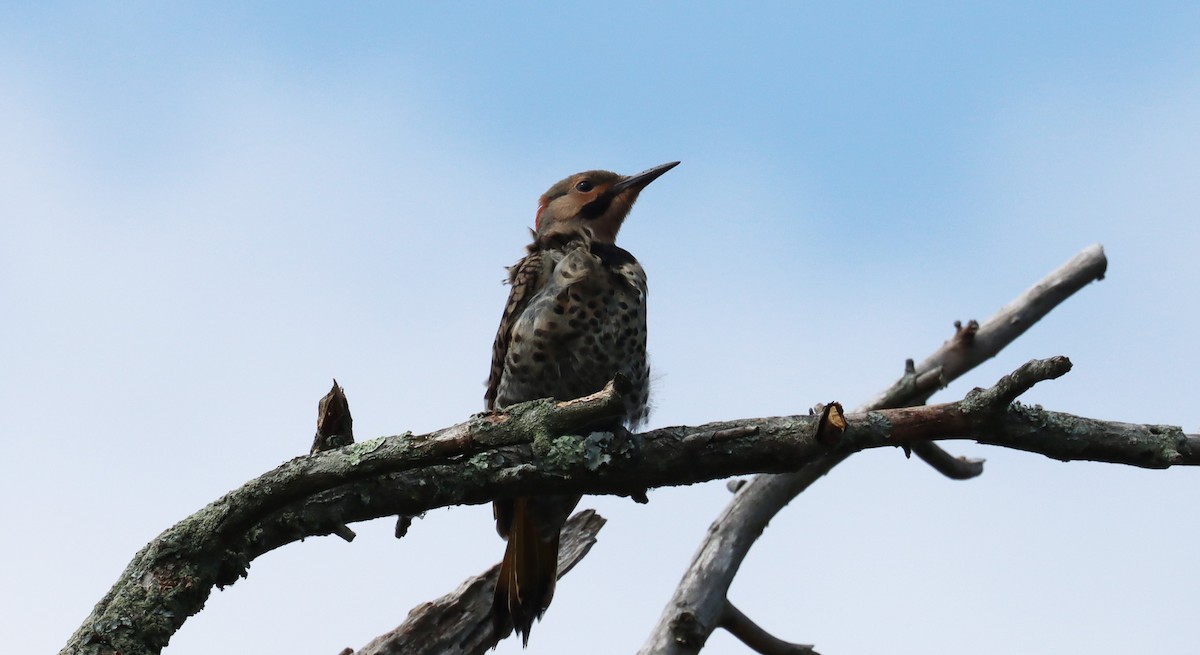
(640, 180)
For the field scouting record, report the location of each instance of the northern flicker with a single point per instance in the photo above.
(575, 317)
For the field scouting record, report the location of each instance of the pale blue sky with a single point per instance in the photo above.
(209, 210)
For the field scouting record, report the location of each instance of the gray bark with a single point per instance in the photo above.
(696, 607)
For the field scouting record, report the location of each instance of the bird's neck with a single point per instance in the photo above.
(564, 237)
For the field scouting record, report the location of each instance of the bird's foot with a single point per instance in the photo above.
(626, 443)
(629, 444)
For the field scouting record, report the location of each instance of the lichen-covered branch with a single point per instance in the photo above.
(506, 453)
(169, 580)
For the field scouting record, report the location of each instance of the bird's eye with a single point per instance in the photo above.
(583, 186)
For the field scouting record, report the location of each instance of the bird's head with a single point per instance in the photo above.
(595, 201)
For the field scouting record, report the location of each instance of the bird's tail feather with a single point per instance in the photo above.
(527, 574)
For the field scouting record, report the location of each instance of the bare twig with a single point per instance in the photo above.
(344, 532)
(974, 344)
(955, 468)
(759, 640)
(702, 591)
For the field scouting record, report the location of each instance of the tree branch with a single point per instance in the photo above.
(498, 454)
(700, 597)
(170, 579)
(974, 344)
(460, 622)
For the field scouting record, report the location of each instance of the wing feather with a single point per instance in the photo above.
(526, 277)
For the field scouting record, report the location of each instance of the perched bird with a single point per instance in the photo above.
(575, 317)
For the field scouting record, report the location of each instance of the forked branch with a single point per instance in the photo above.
(700, 598)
